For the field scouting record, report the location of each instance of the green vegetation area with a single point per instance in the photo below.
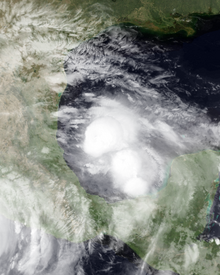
(158, 17)
(168, 238)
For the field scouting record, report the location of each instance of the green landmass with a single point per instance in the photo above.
(169, 234)
(158, 17)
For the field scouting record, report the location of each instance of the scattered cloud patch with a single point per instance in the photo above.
(45, 150)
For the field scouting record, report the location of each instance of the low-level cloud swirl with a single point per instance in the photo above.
(126, 113)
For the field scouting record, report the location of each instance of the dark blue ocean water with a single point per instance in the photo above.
(169, 89)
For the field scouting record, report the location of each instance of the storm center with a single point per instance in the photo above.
(102, 136)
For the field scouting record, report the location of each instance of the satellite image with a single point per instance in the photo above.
(109, 141)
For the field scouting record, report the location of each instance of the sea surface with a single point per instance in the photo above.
(164, 94)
